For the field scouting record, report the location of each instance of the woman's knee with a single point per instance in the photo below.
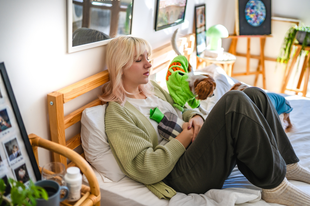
(237, 102)
(254, 92)
(234, 94)
(236, 97)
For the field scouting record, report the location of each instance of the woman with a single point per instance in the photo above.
(241, 129)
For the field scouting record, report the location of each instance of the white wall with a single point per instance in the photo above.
(297, 9)
(143, 20)
(33, 40)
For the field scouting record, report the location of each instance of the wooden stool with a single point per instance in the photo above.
(225, 61)
(261, 63)
(304, 74)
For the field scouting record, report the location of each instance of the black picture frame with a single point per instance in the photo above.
(176, 13)
(253, 17)
(16, 151)
(200, 28)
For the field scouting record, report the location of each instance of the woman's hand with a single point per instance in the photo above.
(185, 126)
(186, 136)
(196, 122)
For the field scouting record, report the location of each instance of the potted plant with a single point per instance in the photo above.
(20, 194)
(296, 34)
(303, 35)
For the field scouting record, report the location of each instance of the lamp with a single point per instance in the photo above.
(216, 33)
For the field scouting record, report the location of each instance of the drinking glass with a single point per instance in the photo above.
(54, 171)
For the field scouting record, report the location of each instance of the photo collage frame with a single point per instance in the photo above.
(17, 160)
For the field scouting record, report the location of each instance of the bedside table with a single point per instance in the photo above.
(226, 61)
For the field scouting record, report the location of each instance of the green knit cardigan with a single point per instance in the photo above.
(134, 143)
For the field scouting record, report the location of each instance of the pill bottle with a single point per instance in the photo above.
(73, 178)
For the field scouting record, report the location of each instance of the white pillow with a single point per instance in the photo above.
(95, 144)
(223, 84)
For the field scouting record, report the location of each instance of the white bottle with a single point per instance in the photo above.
(73, 179)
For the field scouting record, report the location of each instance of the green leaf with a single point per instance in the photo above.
(286, 47)
(43, 193)
(22, 195)
(33, 200)
(2, 186)
(26, 196)
(26, 203)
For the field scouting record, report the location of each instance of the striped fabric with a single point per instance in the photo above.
(170, 126)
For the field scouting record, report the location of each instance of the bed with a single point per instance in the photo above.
(115, 187)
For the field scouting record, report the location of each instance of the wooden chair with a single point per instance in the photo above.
(90, 195)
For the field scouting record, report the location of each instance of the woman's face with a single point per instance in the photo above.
(138, 73)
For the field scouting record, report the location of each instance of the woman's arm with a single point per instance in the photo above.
(192, 116)
(136, 151)
(186, 136)
(196, 123)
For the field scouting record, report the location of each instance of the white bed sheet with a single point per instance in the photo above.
(236, 189)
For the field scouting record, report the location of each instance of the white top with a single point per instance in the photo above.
(144, 106)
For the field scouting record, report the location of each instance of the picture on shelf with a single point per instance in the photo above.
(8, 186)
(169, 13)
(4, 120)
(13, 150)
(21, 173)
(200, 28)
(253, 17)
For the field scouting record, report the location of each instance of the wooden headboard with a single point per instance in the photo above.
(56, 100)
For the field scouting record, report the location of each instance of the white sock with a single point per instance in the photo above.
(297, 172)
(286, 194)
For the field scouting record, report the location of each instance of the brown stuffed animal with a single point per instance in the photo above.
(202, 85)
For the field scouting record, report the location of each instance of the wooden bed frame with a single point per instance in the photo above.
(56, 100)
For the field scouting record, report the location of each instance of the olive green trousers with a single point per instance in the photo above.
(242, 129)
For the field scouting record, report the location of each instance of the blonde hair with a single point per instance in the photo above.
(121, 52)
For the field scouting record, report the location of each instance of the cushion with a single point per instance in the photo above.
(223, 84)
(95, 144)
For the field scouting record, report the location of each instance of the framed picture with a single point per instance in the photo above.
(200, 28)
(253, 17)
(92, 23)
(17, 160)
(169, 13)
